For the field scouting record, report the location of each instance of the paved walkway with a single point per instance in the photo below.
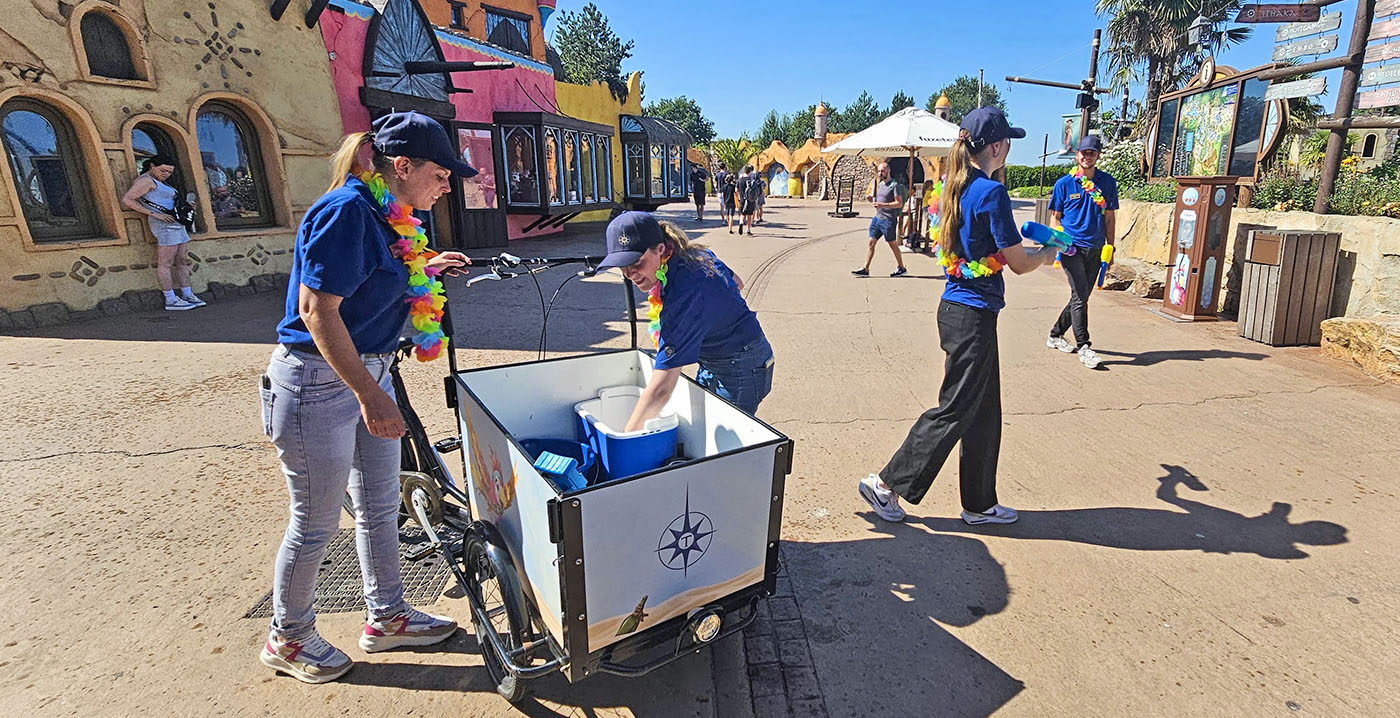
(1205, 522)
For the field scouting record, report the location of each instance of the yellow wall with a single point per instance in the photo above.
(283, 87)
(594, 103)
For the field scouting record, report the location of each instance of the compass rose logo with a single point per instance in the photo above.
(686, 539)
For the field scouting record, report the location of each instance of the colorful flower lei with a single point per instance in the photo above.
(959, 268)
(1089, 188)
(425, 293)
(654, 305)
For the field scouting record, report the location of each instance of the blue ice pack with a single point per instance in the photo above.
(562, 468)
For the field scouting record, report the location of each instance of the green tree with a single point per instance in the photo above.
(801, 125)
(684, 112)
(899, 102)
(771, 129)
(962, 93)
(858, 115)
(590, 51)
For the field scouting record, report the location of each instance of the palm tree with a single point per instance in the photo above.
(1147, 40)
(732, 155)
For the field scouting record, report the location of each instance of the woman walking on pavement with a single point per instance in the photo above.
(977, 239)
(327, 397)
(697, 316)
(151, 196)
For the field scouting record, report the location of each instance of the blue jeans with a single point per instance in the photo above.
(742, 378)
(314, 421)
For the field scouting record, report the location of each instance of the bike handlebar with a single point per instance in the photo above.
(499, 264)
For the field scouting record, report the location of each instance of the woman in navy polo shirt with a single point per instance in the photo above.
(328, 401)
(699, 315)
(977, 239)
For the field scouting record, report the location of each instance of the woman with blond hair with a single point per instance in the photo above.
(327, 397)
(977, 239)
(697, 315)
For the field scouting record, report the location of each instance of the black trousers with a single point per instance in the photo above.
(969, 410)
(1082, 268)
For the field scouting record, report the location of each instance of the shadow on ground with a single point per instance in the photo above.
(1196, 527)
(1157, 357)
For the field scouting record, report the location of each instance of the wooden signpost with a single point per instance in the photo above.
(1311, 46)
(1386, 7)
(1378, 98)
(1385, 29)
(1275, 12)
(1330, 21)
(1299, 88)
(1388, 51)
(1380, 75)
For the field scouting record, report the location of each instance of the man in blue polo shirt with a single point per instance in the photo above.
(1083, 202)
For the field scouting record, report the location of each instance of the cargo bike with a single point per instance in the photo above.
(566, 566)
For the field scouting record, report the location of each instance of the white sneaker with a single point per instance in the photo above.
(881, 499)
(997, 514)
(192, 299)
(178, 305)
(410, 627)
(1060, 343)
(1088, 358)
(310, 660)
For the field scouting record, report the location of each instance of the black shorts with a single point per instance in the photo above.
(699, 199)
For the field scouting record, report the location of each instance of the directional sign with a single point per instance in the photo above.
(1279, 13)
(1378, 98)
(1311, 46)
(1388, 51)
(1385, 28)
(1380, 75)
(1386, 7)
(1300, 88)
(1329, 21)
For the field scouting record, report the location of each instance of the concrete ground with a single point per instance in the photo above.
(1205, 521)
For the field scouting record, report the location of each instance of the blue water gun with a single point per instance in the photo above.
(1048, 237)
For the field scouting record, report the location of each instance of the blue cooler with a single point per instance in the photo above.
(621, 453)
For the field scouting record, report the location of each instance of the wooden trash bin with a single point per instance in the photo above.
(1287, 289)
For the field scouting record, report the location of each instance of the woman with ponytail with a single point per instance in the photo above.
(697, 315)
(360, 268)
(977, 240)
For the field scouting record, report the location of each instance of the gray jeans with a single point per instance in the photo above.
(314, 421)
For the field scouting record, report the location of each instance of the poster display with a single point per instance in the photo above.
(1204, 130)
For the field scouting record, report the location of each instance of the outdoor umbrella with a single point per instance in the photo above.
(910, 131)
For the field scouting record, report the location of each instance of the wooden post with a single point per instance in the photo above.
(1346, 99)
(1093, 79)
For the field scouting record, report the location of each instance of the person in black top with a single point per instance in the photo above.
(698, 176)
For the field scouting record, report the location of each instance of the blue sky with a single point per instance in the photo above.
(741, 59)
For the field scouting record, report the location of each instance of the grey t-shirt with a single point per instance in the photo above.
(888, 192)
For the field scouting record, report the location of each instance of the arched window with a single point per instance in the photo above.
(1368, 149)
(107, 48)
(228, 148)
(46, 161)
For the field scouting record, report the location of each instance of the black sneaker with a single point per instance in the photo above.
(899, 272)
(862, 272)
(741, 229)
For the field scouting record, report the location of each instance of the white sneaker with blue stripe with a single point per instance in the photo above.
(881, 499)
(997, 514)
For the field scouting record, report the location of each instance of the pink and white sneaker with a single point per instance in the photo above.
(408, 628)
(309, 660)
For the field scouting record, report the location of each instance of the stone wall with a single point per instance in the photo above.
(1368, 272)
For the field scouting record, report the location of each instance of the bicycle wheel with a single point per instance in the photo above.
(491, 578)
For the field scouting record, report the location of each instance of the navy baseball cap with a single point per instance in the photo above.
(629, 235)
(1091, 142)
(986, 125)
(415, 135)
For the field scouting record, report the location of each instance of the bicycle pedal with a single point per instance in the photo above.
(420, 554)
(448, 445)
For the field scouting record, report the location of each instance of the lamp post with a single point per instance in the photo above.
(1197, 29)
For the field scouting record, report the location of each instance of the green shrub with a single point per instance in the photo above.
(1031, 192)
(1283, 190)
(1028, 176)
(1160, 192)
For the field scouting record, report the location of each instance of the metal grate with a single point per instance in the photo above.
(339, 587)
